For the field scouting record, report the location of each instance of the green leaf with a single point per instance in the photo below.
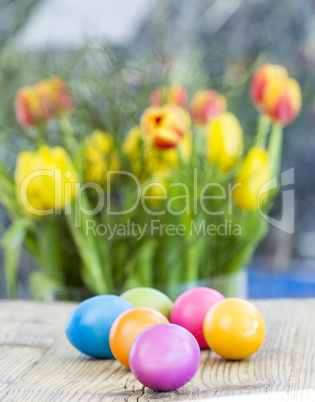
(49, 249)
(7, 194)
(140, 266)
(92, 273)
(12, 244)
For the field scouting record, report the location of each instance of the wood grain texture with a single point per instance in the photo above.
(37, 363)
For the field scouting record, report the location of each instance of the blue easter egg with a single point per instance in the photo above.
(88, 325)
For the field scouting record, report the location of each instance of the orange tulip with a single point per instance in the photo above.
(174, 95)
(29, 109)
(64, 101)
(283, 101)
(207, 105)
(38, 104)
(164, 126)
(265, 74)
(55, 96)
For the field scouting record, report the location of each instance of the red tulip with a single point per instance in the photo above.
(29, 108)
(282, 101)
(207, 105)
(64, 101)
(55, 96)
(265, 74)
(46, 100)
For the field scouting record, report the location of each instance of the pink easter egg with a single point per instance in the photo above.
(190, 309)
(164, 357)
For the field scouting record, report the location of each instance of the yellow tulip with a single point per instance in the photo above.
(100, 156)
(165, 126)
(132, 141)
(155, 160)
(252, 176)
(156, 163)
(44, 180)
(163, 160)
(225, 141)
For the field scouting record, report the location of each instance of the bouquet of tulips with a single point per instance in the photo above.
(179, 200)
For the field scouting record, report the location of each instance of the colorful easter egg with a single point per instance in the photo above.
(88, 325)
(128, 326)
(234, 329)
(148, 297)
(164, 357)
(190, 309)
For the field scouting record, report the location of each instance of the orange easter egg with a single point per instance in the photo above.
(127, 327)
(234, 329)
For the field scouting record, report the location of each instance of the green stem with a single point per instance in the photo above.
(41, 137)
(201, 141)
(275, 149)
(262, 131)
(90, 259)
(193, 254)
(67, 129)
(72, 146)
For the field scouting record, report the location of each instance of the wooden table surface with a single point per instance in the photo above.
(37, 363)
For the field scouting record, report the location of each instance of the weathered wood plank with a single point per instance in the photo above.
(27, 330)
(38, 363)
(31, 323)
(10, 370)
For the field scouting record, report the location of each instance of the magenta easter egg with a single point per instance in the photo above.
(164, 357)
(190, 309)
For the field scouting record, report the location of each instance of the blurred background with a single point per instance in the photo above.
(200, 43)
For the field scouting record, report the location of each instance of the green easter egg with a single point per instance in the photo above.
(148, 297)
